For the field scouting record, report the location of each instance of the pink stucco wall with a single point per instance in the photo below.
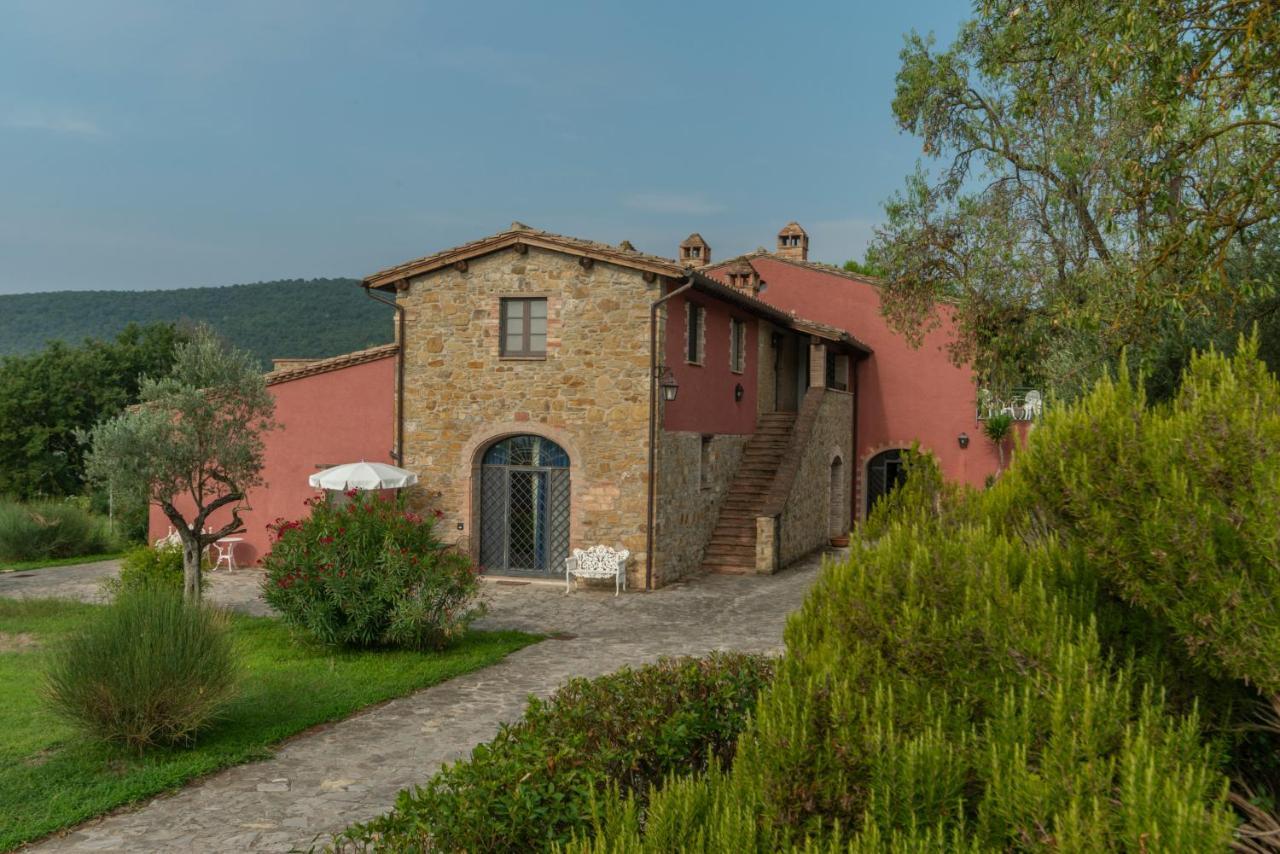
(905, 394)
(326, 419)
(705, 400)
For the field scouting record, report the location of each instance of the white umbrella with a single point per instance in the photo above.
(363, 475)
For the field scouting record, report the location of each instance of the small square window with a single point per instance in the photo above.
(524, 327)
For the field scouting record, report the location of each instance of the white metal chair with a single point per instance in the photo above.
(227, 552)
(1032, 404)
(597, 562)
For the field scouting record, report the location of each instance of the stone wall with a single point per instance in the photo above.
(689, 498)
(803, 501)
(766, 370)
(590, 393)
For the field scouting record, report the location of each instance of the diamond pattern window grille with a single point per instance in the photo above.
(524, 506)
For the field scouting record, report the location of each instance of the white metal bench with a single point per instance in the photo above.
(597, 562)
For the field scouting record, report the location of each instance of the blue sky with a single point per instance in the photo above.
(172, 144)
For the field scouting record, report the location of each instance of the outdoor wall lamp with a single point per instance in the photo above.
(669, 385)
(964, 440)
(738, 392)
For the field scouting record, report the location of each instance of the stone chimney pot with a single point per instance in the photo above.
(793, 242)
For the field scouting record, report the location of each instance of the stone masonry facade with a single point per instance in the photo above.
(807, 497)
(589, 394)
(693, 478)
(805, 522)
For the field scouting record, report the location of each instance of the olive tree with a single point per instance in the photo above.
(194, 441)
(1099, 175)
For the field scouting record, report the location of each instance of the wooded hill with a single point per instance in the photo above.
(300, 318)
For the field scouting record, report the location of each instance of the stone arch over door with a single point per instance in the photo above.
(838, 518)
(471, 472)
(524, 503)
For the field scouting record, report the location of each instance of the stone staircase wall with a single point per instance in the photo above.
(733, 546)
(689, 499)
(801, 497)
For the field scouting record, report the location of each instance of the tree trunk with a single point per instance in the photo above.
(191, 569)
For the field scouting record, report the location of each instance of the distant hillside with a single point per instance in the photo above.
(289, 318)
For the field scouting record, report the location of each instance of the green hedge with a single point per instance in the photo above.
(532, 785)
(41, 530)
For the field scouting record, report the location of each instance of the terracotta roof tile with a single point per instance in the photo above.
(333, 363)
(789, 319)
(816, 266)
(521, 233)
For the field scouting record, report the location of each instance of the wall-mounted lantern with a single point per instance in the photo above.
(738, 391)
(669, 385)
(963, 439)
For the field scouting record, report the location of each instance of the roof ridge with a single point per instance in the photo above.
(816, 266)
(622, 253)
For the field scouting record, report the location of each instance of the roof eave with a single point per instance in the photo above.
(385, 279)
(708, 285)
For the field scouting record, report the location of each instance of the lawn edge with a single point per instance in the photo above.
(269, 749)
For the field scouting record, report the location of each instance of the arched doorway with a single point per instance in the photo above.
(885, 473)
(838, 522)
(524, 506)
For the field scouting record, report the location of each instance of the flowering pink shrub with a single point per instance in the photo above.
(369, 573)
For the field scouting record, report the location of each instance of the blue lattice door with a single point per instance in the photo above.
(524, 507)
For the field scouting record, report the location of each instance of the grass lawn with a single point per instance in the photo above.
(52, 777)
(24, 565)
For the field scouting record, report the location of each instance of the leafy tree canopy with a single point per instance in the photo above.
(47, 396)
(863, 268)
(1105, 176)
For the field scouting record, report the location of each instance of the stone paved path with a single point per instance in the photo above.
(352, 770)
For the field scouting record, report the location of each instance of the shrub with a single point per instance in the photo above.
(1176, 505)
(149, 669)
(937, 687)
(159, 565)
(50, 529)
(369, 573)
(532, 786)
(1066, 660)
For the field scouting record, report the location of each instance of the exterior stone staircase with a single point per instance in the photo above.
(732, 548)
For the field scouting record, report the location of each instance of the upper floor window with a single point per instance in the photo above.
(524, 326)
(694, 319)
(737, 345)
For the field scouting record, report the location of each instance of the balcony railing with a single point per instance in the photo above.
(1022, 404)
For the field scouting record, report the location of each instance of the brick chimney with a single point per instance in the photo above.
(694, 251)
(793, 242)
(742, 277)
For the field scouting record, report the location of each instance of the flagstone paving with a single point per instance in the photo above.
(350, 771)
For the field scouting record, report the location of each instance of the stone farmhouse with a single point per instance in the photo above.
(554, 393)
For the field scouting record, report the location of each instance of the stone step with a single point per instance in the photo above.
(732, 544)
(731, 549)
(733, 565)
(729, 570)
(744, 559)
